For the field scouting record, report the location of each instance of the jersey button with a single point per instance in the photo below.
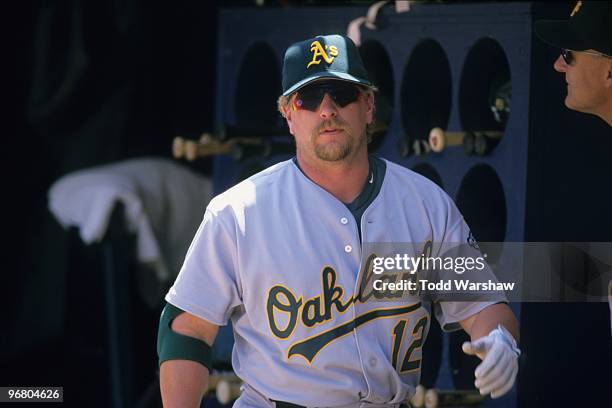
(344, 220)
(348, 249)
(373, 361)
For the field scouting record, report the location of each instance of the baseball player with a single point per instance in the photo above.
(282, 256)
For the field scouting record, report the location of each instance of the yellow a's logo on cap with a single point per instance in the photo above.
(318, 51)
(576, 8)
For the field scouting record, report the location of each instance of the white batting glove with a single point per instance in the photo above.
(499, 354)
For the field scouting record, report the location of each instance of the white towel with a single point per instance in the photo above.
(164, 205)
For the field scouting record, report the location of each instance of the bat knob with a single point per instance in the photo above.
(436, 139)
(431, 399)
(191, 150)
(418, 399)
(178, 147)
(206, 138)
(227, 391)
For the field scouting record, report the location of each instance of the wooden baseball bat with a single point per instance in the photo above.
(440, 139)
(208, 146)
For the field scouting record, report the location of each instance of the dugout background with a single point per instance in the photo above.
(98, 82)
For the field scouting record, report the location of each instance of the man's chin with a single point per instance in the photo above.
(571, 104)
(332, 152)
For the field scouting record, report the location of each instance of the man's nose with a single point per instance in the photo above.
(328, 108)
(560, 65)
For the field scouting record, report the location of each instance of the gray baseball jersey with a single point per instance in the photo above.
(282, 258)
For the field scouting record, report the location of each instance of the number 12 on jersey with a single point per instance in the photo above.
(416, 343)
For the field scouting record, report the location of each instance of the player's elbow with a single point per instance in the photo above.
(183, 336)
(193, 326)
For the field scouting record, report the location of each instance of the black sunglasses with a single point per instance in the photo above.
(311, 96)
(568, 55)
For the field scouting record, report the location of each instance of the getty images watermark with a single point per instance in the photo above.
(407, 264)
(470, 271)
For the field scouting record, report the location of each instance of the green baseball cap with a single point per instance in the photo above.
(589, 27)
(325, 56)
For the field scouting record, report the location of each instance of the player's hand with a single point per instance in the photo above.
(499, 354)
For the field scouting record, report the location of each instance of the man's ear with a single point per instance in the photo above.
(287, 114)
(608, 80)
